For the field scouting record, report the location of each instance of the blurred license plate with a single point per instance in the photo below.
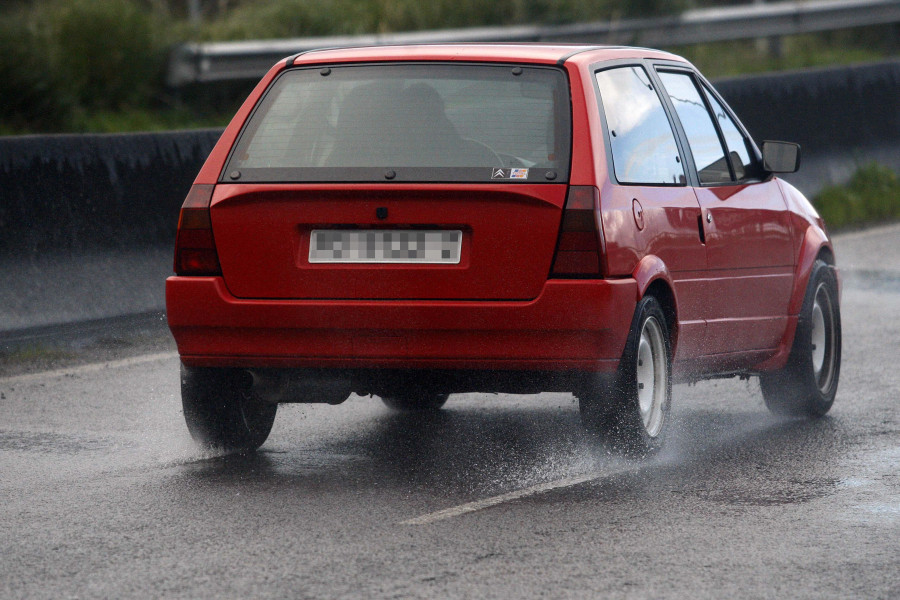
(384, 246)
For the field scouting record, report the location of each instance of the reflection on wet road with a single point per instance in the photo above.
(103, 493)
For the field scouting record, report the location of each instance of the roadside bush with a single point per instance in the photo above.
(30, 93)
(285, 18)
(62, 60)
(258, 19)
(110, 53)
(872, 195)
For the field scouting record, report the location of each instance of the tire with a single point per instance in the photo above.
(630, 409)
(221, 411)
(807, 384)
(413, 404)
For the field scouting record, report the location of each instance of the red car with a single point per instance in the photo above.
(412, 222)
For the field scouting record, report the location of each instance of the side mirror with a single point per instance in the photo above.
(781, 157)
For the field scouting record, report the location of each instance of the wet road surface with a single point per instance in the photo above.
(102, 493)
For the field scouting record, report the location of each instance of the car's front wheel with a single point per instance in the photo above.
(630, 408)
(221, 410)
(806, 386)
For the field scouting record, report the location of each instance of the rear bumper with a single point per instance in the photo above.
(572, 325)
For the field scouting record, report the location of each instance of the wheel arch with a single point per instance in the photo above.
(653, 278)
(815, 246)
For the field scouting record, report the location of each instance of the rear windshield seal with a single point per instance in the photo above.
(488, 173)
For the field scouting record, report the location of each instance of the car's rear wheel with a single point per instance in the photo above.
(806, 386)
(221, 410)
(630, 408)
(415, 403)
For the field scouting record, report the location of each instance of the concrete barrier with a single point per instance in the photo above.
(87, 222)
(81, 193)
(92, 192)
(842, 117)
(824, 110)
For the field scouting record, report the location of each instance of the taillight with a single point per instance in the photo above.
(578, 247)
(195, 249)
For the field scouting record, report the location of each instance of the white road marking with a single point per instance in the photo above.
(469, 507)
(89, 368)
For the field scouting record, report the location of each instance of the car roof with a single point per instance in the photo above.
(529, 53)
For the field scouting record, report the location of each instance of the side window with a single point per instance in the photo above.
(706, 147)
(641, 138)
(742, 159)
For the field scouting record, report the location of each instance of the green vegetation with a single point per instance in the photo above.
(726, 59)
(98, 65)
(871, 196)
(37, 353)
(61, 60)
(258, 19)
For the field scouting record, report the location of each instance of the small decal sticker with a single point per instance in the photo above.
(501, 173)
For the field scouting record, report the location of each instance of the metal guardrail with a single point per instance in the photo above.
(234, 61)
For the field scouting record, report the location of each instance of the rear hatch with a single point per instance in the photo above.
(397, 181)
(508, 235)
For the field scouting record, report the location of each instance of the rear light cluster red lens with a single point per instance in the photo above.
(195, 249)
(578, 248)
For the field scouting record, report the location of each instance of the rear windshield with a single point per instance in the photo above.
(408, 122)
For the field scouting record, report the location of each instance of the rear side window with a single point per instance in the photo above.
(641, 138)
(408, 122)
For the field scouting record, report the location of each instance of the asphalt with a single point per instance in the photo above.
(104, 495)
(61, 288)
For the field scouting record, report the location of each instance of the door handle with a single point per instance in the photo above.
(708, 217)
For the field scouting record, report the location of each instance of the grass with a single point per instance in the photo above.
(37, 353)
(134, 119)
(727, 59)
(871, 196)
(148, 119)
